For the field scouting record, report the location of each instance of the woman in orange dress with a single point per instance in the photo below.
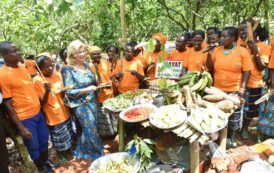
(129, 72)
(180, 53)
(196, 59)
(107, 124)
(151, 58)
(231, 66)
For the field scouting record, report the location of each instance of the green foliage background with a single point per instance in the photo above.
(48, 25)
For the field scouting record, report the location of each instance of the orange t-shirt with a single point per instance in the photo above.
(17, 85)
(228, 68)
(271, 62)
(179, 56)
(55, 110)
(128, 82)
(30, 66)
(204, 45)
(105, 74)
(256, 76)
(196, 60)
(152, 57)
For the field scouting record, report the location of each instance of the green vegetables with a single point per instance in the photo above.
(117, 104)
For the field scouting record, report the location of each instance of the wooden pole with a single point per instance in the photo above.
(123, 23)
(266, 14)
(223, 137)
(194, 157)
(121, 134)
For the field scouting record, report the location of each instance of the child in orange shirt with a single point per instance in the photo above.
(56, 112)
(107, 124)
(260, 52)
(129, 73)
(196, 59)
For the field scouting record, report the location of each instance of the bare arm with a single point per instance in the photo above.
(246, 75)
(44, 98)
(209, 62)
(24, 132)
(254, 51)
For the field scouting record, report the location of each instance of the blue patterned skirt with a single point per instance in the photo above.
(62, 135)
(266, 120)
(250, 109)
(89, 145)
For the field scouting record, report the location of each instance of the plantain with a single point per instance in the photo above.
(192, 80)
(198, 85)
(205, 82)
(209, 78)
(183, 82)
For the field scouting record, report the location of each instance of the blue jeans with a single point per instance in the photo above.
(40, 135)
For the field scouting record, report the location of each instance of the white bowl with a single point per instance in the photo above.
(102, 161)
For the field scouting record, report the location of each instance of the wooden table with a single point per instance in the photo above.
(194, 146)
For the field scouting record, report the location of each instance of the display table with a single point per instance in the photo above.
(194, 145)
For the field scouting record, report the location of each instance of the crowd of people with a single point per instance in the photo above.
(63, 100)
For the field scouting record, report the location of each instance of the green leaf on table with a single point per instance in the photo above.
(162, 84)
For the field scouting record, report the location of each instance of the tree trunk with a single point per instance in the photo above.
(123, 23)
(266, 15)
(12, 132)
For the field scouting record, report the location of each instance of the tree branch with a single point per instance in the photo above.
(257, 8)
(163, 3)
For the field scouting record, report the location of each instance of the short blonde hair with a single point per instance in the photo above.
(73, 48)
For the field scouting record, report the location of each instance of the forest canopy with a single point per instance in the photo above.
(48, 25)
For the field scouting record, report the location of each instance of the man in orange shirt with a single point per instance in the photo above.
(129, 73)
(260, 52)
(48, 86)
(231, 66)
(23, 106)
(107, 124)
(30, 65)
(196, 59)
(151, 58)
(180, 53)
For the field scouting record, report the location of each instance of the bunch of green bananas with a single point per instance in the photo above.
(196, 80)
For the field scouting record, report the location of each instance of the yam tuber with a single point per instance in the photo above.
(213, 90)
(225, 105)
(214, 98)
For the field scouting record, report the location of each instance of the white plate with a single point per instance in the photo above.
(122, 114)
(102, 161)
(111, 108)
(177, 115)
(218, 129)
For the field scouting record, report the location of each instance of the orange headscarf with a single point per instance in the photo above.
(160, 36)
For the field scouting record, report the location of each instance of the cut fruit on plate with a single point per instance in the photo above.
(137, 113)
(167, 117)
